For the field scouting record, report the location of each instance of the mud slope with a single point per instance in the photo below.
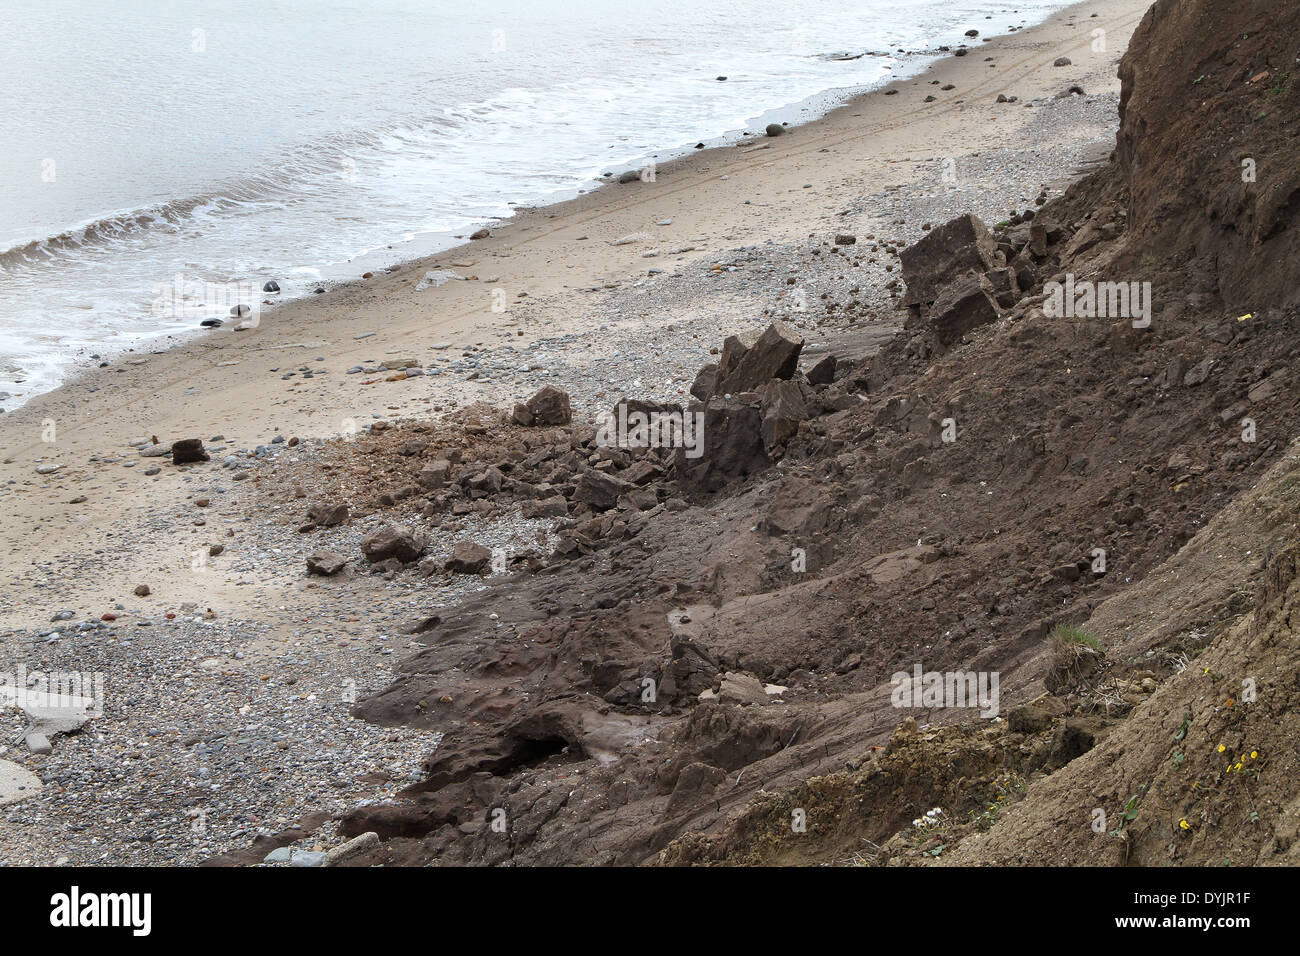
(1208, 777)
(707, 633)
(1172, 746)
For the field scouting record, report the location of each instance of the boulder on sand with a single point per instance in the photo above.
(823, 373)
(327, 514)
(189, 450)
(468, 557)
(434, 474)
(326, 563)
(356, 847)
(600, 490)
(392, 541)
(784, 406)
(702, 387)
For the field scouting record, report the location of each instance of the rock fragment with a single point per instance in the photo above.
(188, 451)
(325, 563)
(393, 541)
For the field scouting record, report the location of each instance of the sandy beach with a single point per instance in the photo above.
(235, 672)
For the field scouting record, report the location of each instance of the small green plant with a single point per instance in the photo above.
(1063, 635)
(1128, 816)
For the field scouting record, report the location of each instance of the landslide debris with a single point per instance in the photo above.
(710, 643)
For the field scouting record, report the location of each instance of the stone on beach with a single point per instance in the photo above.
(326, 514)
(434, 474)
(393, 541)
(600, 490)
(553, 507)
(325, 563)
(705, 378)
(734, 447)
(468, 557)
(823, 372)
(17, 783)
(964, 305)
(188, 451)
(355, 847)
(784, 405)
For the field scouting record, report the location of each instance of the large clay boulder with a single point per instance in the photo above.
(326, 563)
(434, 474)
(600, 490)
(963, 305)
(705, 379)
(955, 249)
(784, 406)
(744, 367)
(550, 406)
(733, 446)
(327, 514)
(823, 371)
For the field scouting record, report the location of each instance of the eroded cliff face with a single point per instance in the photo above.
(1210, 121)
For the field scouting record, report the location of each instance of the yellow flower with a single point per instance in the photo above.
(1184, 824)
(1222, 748)
(1254, 754)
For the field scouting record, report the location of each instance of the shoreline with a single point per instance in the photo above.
(681, 160)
